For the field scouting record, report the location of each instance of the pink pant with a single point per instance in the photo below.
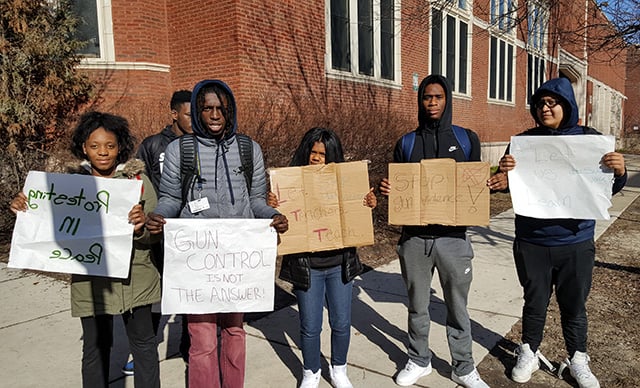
(205, 370)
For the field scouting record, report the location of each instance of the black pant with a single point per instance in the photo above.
(97, 342)
(569, 269)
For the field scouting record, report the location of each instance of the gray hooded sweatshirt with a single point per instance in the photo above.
(222, 179)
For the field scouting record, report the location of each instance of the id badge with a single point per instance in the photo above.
(198, 205)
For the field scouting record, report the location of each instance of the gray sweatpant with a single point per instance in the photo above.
(452, 258)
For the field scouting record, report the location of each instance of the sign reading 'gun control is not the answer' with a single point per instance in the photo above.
(323, 204)
(218, 265)
(439, 191)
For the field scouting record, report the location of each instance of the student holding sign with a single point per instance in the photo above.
(220, 187)
(151, 151)
(320, 276)
(105, 142)
(445, 248)
(556, 253)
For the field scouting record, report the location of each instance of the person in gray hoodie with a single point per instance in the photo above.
(219, 189)
(424, 248)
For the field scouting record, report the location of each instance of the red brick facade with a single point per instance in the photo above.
(632, 91)
(275, 50)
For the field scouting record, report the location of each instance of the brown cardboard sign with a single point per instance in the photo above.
(323, 204)
(439, 191)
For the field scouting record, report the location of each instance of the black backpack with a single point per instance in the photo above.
(189, 167)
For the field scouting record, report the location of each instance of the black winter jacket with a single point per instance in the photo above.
(151, 152)
(296, 268)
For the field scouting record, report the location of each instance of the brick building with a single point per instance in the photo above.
(632, 114)
(359, 53)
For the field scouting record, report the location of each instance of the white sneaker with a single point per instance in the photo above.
(527, 363)
(310, 379)
(411, 373)
(471, 380)
(579, 369)
(339, 377)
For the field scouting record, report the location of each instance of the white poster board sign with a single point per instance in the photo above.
(561, 176)
(218, 265)
(75, 224)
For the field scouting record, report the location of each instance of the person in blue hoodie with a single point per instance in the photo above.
(423, 248)
(556, 253)
(223, 187)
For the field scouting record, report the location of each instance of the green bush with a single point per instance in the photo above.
(40, 88)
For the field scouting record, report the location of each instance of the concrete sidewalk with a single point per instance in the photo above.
(41, 342)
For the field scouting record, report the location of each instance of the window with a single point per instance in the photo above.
(450, 59)
(501, 70)
(535, 73)
(462, 4)
(340, 38)
(362, 38)
(537, 21)
(95, 28)
(88, 31)
(503, 14)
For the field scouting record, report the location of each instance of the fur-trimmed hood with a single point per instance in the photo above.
(130, 169)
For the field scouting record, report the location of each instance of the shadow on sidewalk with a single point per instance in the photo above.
(282, 329)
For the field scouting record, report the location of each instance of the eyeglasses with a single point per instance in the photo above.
(549, 102)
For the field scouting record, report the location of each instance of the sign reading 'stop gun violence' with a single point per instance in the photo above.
(439, 191)
(75, 224)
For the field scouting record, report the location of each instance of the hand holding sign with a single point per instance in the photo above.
(75, 224)
(218, 265)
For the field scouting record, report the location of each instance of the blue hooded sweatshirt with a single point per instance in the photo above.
(558, 231)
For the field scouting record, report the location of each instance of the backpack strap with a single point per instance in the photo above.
(245, 145)
(188, 168)
(463, 139)
(460, 133)
(407, 145)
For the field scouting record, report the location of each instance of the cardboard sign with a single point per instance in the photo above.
(75, 224)
(439, 191)
(323, 204)
(218, 266)
(561, 176)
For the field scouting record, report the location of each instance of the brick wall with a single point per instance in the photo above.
(632, 111)
(140, 31)
(272, 54)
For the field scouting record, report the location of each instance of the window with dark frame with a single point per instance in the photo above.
(340, 37)
(449, 45)
(87, 30)
(363, 38)
(387, 39)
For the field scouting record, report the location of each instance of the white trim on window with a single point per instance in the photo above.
(105, 35)
(107, 59)
(354, 73)
(503, 16)
(457, 15)
(501, 85)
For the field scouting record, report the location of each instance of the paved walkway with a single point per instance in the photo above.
(41, 342)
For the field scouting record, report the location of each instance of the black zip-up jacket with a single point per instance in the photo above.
(296, 268)
(435, 139)
(151, 152)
